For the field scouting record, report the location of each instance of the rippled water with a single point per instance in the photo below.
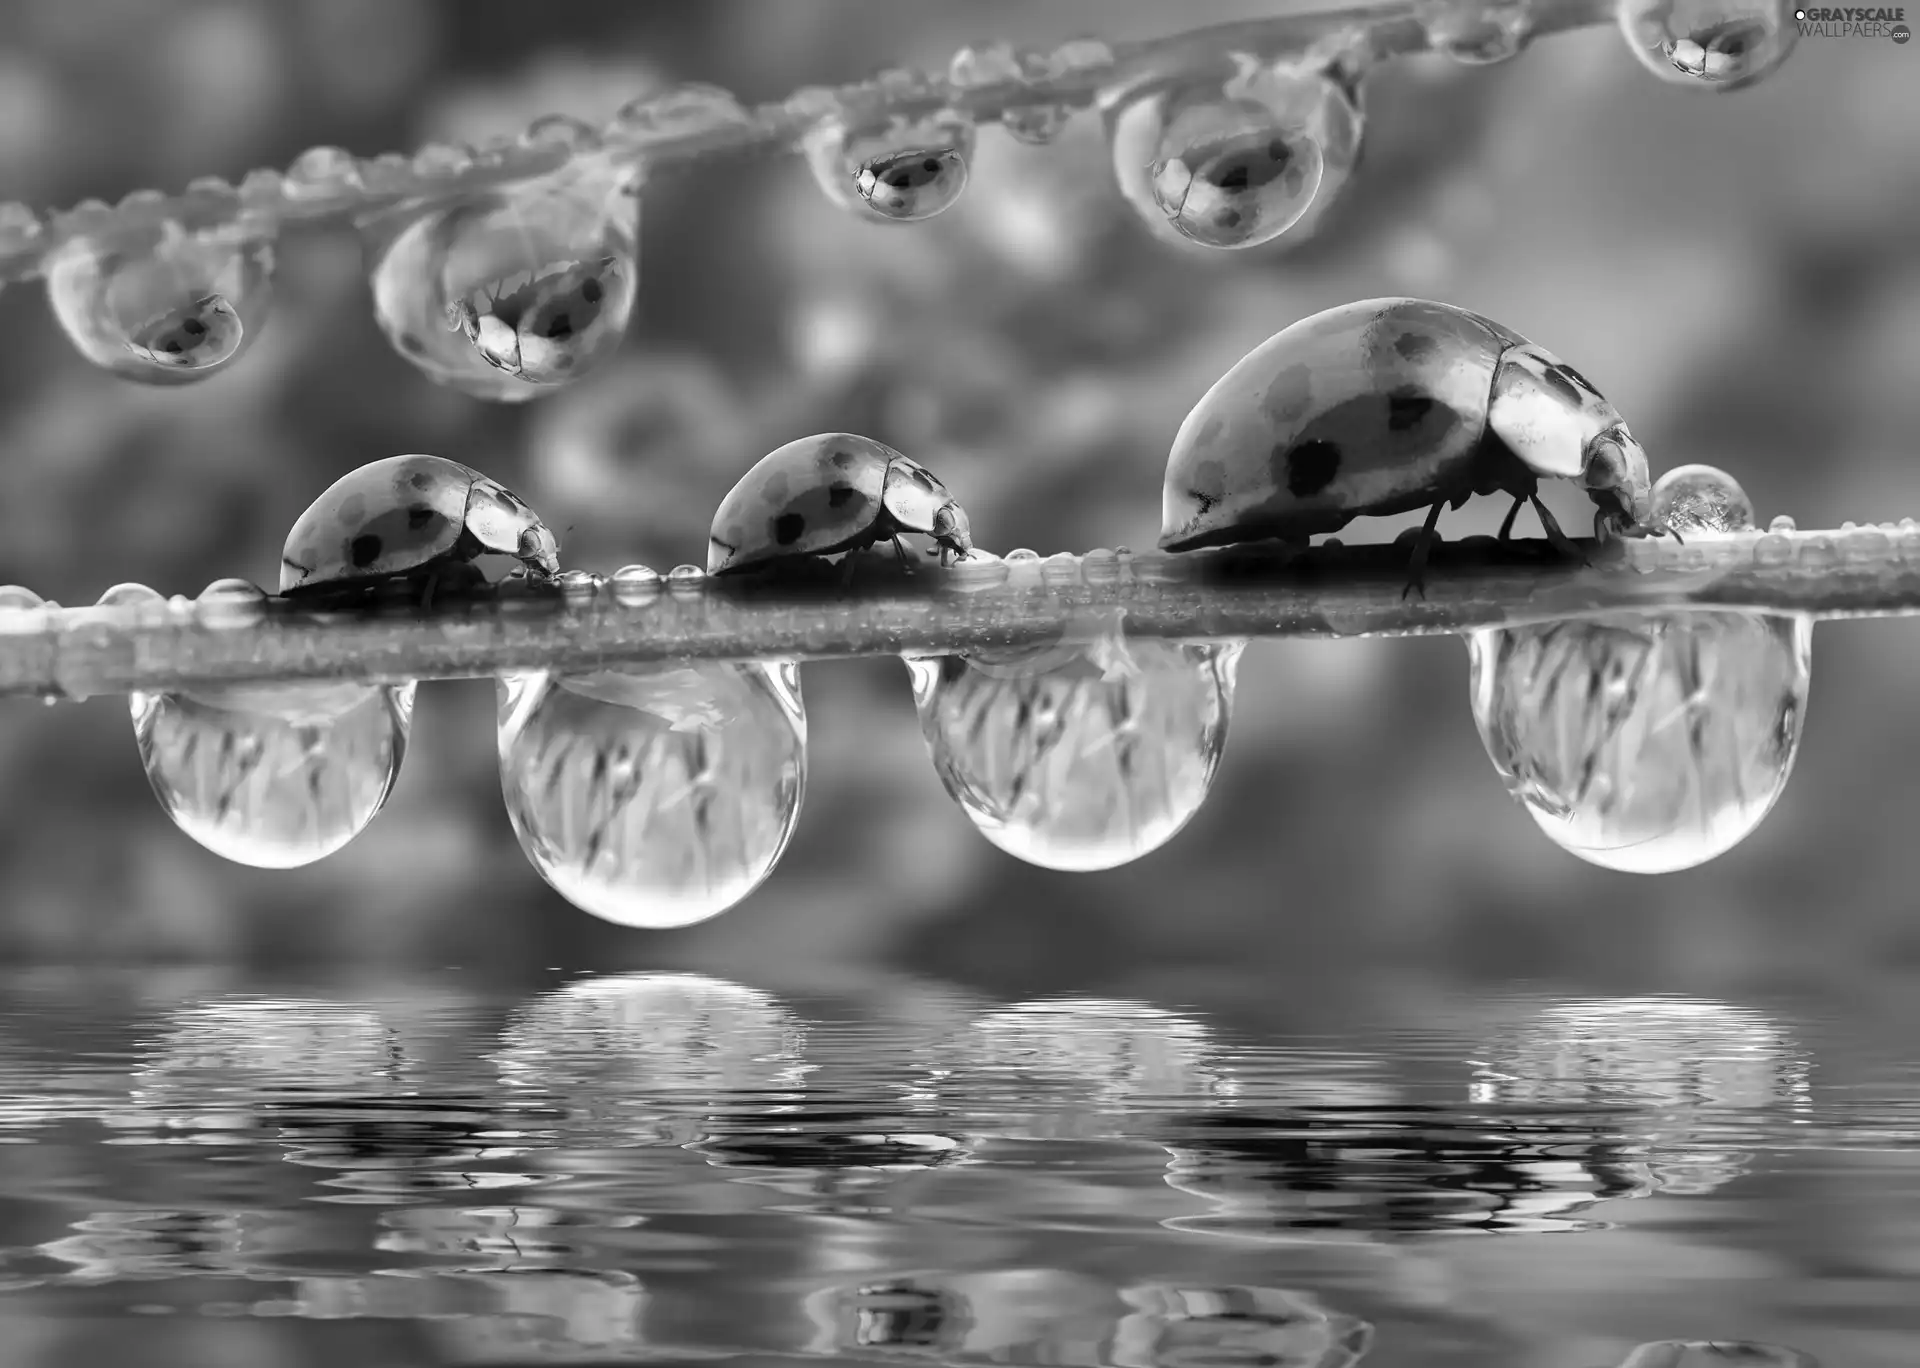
(674, 1167)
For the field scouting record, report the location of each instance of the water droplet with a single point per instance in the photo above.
(16, 598)
(1021, 553)
(634, 583)
(263, 186)
(277, 776)
(131, 595)
(579, 584)
(19, 226)
(906, 172)
(1709, 44)
(513, 290)
(1701, 498)
(997, 63)
(1478, 32)
(691, 108)
(1078, 758)
(176, 308)
(231, 603)
(442, 159)
(561, 130)
(322, 171)
(654, 797)
(1645, 743)
(1716, 1354)
(686, 579)
(1231, 164)
(1783, 523)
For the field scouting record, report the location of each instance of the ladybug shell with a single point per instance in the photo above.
(388, 518)
(813, 497)
(1374, 407)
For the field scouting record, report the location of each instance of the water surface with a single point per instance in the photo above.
(668, 1167)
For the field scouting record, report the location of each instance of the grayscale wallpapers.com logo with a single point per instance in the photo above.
(1853, 22)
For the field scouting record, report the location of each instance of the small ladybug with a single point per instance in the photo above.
(830, 493)
(409, 517)
(1387, 406)
(549, 326)
(204, 333)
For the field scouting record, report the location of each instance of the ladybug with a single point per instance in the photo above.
(830, 493)
(409, 517)
(205, 333)
(547, 328)
(1387, 406)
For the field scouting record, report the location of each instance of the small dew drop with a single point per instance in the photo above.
(131, 595)
(686, 579)
(275, 777)
(19, 226)
(16, 598)
(442, 159)
(999, 63)
(1775, 548)
(231, 603)
(262, 187)
(579, 584)
(1479, 32)
(654, 797)
(1701, 498)
(1709, 44)
(635, 583)
(181, 307)
(1100, 566)
(1078, 758)
(1234, 164)
(561, 130)
(1022, 554)
(904, 173)
(690, 108)
(322, 171)
(1647, 743)
(1783, 523)
(509, 293)
(389, 173)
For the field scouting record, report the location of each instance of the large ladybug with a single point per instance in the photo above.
(1387, 406)
(830, 493)
(413, 517)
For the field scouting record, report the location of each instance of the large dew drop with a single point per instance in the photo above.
(654, 797)
(167, 311)
(1233, 164)
(1646, 743)
(516, 290)
(1078, 758)
(1709, 44)
(275, 777)
(903, 173)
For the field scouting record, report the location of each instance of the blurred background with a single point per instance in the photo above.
(1741, 274)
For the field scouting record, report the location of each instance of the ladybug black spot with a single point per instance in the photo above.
(840, 495)
(193, 327)
(419, 516)
(1311, 467)
(1406, 409)
(926, 481)
(363, 550)
(560, 325)
(420, 479)
(592, 292)
(1559, 382)
(1413, 346)
(788, 527)
(842, 459)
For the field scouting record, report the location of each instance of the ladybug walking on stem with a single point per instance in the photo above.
(830, 493)
(1389, 406)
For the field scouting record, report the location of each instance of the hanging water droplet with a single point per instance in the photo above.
(1478, 32)
(231, 603)
(906, 172)
(177, 307)
(514, 289)
(998, 63)
(1701, 498)
(1709, 44)
(654, 796)
(1646, 743)
(274, 776)
(1078, 756)
(1236, 163)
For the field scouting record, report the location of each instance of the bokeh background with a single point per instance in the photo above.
(1741, 274)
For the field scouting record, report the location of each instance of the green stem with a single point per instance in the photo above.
(267, 205)
(811, 613)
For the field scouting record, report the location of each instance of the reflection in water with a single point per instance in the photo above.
(1676, 1075)
(643, 1059)
(668, 1167)
(1200, 1327)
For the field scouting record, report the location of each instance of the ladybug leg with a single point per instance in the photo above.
(900, 550)
(1506, 527)
(1423, 547)
(428, 585)
(1561, 541)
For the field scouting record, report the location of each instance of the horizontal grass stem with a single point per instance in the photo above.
(813, 612)
(268, 204)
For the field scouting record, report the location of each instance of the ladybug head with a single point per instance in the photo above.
(952, 530)
(1613, 471)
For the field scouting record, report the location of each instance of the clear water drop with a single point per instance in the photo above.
(1783, 522)
(561, 130)
(635, 583)
(15, 598)
(686, 579)
(1236, 163)
(686, 109)
(906, 172)
(1709, 44)
(131, 595)
(1645, 743)
(1479, 32)
(579, 584)
(998, 63)
(276, 776)
(231, 603)
(1078, 756)
(322, 171)
(512, 291)
(174, 308)
(654, 796)
(1701, 498)
(1716, 1354)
